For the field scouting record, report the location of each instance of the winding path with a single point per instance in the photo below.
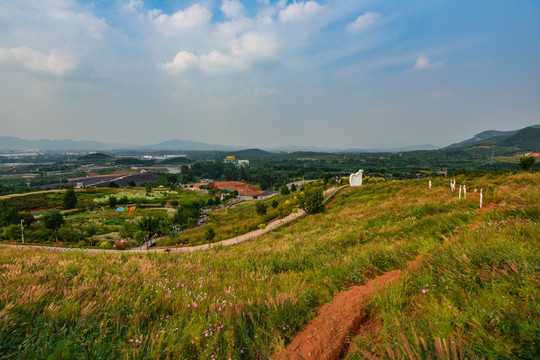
(274, 224)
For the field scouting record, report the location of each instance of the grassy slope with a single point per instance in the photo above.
(248, 301)
(476, 293)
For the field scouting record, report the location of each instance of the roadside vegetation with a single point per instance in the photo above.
(250, 300)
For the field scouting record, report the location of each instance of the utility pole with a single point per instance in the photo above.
(22, 230)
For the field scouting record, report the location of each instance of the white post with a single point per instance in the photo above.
(481, 198)
(460, 187)
(430, 184)
(464, 191)
(22, 230)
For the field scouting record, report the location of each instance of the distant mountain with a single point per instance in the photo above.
(495, 137)
(186, 145)
(11, 143)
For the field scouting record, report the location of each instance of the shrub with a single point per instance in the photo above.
(312, 201)
(11, 232)
(209, 234)
(260, 208)
(105, 245)
(526, 162)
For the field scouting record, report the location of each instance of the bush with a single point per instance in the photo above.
(526, 162)
(39, 236)
(8, 213)
(284, 190)
(209, 234)
(312, 201)
(105, 245)
(71, 234)
(11, 232)
(260, 208)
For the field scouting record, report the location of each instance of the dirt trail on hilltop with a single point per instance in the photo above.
(327, 336)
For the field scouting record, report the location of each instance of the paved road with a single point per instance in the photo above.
(228, 242)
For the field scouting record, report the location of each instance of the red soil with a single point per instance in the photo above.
(328, 335)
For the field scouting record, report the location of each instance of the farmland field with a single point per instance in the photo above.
(474, 294)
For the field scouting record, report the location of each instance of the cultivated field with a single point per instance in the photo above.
(473, 294)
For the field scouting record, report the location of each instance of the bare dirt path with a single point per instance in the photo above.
(327, 336)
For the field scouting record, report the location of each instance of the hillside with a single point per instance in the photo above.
(475, 284)
(522, 138)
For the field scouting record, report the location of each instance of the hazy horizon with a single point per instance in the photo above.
(266, 74)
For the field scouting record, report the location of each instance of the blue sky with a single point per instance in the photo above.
(336, 74)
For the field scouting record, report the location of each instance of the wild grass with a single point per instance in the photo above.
(249, 301)
(237, 220)
(475, 295)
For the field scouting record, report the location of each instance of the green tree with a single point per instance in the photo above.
(148, 188)
(8, 213)
(260, 208)
(149, 225)
(131, 183)
(27, 218)
(53, 220)
(70, 198)
(284, 190)
(113, 201)
(293, 187)
(526, 162)
(312, 201)
(209, 234)
(275, 203)
(112, 184)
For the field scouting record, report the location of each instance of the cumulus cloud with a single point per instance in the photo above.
(255, 45)
(194, 16)
(246, 50)
(232, 8)
(298, 12)
(362, 22)
(184, 60)
(56, 62)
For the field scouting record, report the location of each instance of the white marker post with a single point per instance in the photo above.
(481, 198)
(430, 184)
(460, 187)
(464, 191)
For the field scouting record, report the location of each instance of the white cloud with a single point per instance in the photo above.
(56, 62)
(298, 12)
(133, 5)
(246, 50)
(184, 60)
(233, 9)
(216, 62)
(422, 62)
(255, 45)
(194, 16)
(362, 22)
